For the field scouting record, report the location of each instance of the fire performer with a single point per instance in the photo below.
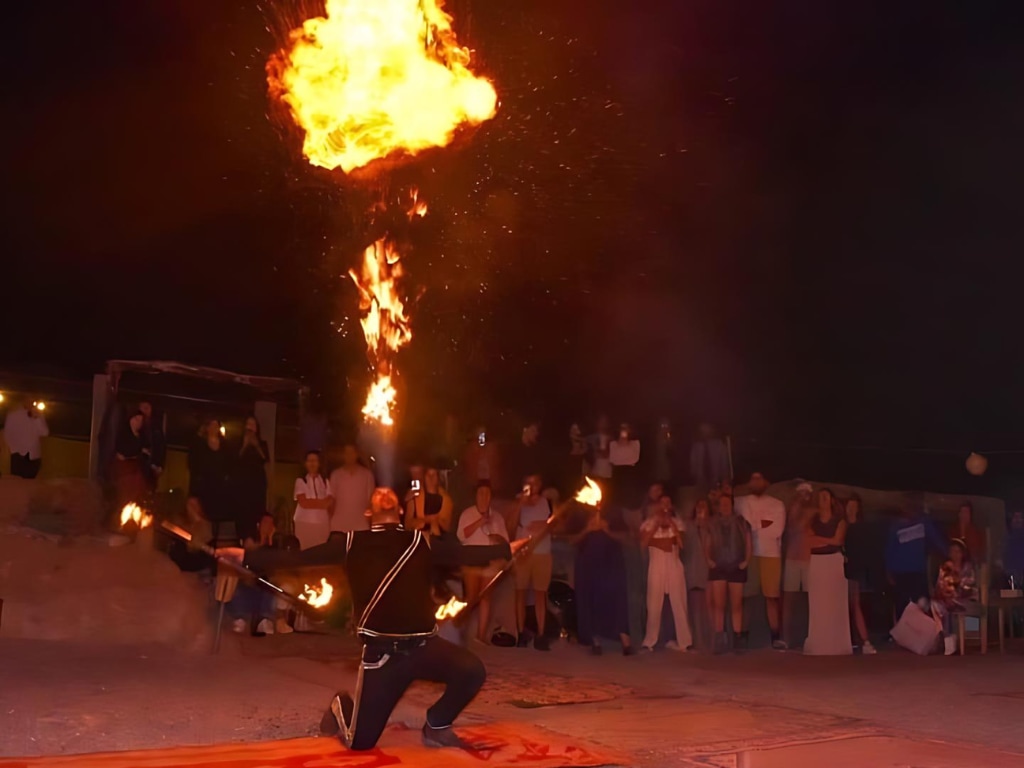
(389, 570)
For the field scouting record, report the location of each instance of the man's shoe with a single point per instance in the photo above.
(523, 640)
(443, 737)
(338, 714)
(541, 643)
(779, 644)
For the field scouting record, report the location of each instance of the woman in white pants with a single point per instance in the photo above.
(828, 631)
(662, 536)
(312, 505)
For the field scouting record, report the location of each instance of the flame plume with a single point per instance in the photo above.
(133, 513)
(384, 322)
(317, 597)
(377, 77)
(449, 610)
(590, 494)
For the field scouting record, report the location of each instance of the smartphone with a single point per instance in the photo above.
(482, 439)
(527, 490)
(416, 486)
(623, 434)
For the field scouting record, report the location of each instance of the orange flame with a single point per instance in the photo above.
(590, 494)
(373, 78)
(318, 597)
(134, 513)
(384, 322)
(449, 610)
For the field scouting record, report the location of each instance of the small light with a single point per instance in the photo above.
(223, 430)
(40, 405)
(1, 397)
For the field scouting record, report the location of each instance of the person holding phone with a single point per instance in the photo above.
(250, 480)
(430, 510)
(23, 432)
(313, 502)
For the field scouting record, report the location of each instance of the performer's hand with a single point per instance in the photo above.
(233, 554)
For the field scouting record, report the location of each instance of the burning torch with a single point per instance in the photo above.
(589, 495)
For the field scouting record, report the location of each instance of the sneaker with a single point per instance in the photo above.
(266, 626)
(338, 713)
(282, 627)
(541, 643)
(238, 626)
(868, 649)
(596, 650)
(443, 737)
(524, 640)
(779, 644)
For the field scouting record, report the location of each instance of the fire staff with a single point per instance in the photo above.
(389, 571)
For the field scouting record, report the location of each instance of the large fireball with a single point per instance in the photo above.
(376, 77)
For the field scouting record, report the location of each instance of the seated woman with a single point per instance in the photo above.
(953, 590)
(266, 612)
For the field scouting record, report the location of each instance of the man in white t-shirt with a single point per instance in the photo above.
(352, 485)
(23, 430)
(767, 518)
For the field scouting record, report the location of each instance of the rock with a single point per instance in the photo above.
(82, 589)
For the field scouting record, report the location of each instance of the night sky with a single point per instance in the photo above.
(799, 219)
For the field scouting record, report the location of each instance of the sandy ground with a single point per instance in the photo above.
(763, 708)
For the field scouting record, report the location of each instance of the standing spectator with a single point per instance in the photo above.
(23, 432)
(906, 556)
(652, 501)
(662, 535)
(1013, 550)
(526, 457)
(481, 525)
(624, 454)
(797, 560)
(965, 529)
(250, 481)
(767, 518)
(602, 608)
(312, 505)
(154, 438)
(695, 564)
(351, 487)
(709, 459)
(431, 509)
(598, 443)
(481, 462)
(828, 632)
(208, 474)
(858, 557)
(954, 589)
(728, 552)
(533, 571)
(130, 453)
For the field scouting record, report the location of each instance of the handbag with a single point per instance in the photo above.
(916, 631)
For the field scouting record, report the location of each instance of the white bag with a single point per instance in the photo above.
(916, 631)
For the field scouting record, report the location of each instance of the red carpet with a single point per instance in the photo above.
(509, 744)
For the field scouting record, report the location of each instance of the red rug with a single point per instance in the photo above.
(508, 744)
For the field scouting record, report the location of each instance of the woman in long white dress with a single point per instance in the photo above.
(827, 591)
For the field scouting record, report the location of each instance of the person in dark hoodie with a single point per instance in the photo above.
(911, 536)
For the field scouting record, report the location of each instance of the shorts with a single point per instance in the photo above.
(731, 575)
(485, 572)
(795, 575)
(769, 574)
(534, 571)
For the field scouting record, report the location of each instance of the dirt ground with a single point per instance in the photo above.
(760, 709)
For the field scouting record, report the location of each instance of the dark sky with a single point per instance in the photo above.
(801, 219)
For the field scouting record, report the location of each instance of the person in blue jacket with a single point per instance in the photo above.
(911, 537)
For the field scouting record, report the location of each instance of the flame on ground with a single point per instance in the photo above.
(318, 597)
(449, 610)
(385, 325)
(373, 78)
(590, 494)
(134, 513)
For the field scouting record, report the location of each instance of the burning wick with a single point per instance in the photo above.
(449, 610)
(133, 513)
(317, 597)
(590, 494)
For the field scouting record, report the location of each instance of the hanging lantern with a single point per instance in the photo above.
(976, 464)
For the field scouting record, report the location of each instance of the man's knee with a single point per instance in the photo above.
(474, 673)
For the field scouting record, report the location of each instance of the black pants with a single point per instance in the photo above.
(385, 672)
(23, 466)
